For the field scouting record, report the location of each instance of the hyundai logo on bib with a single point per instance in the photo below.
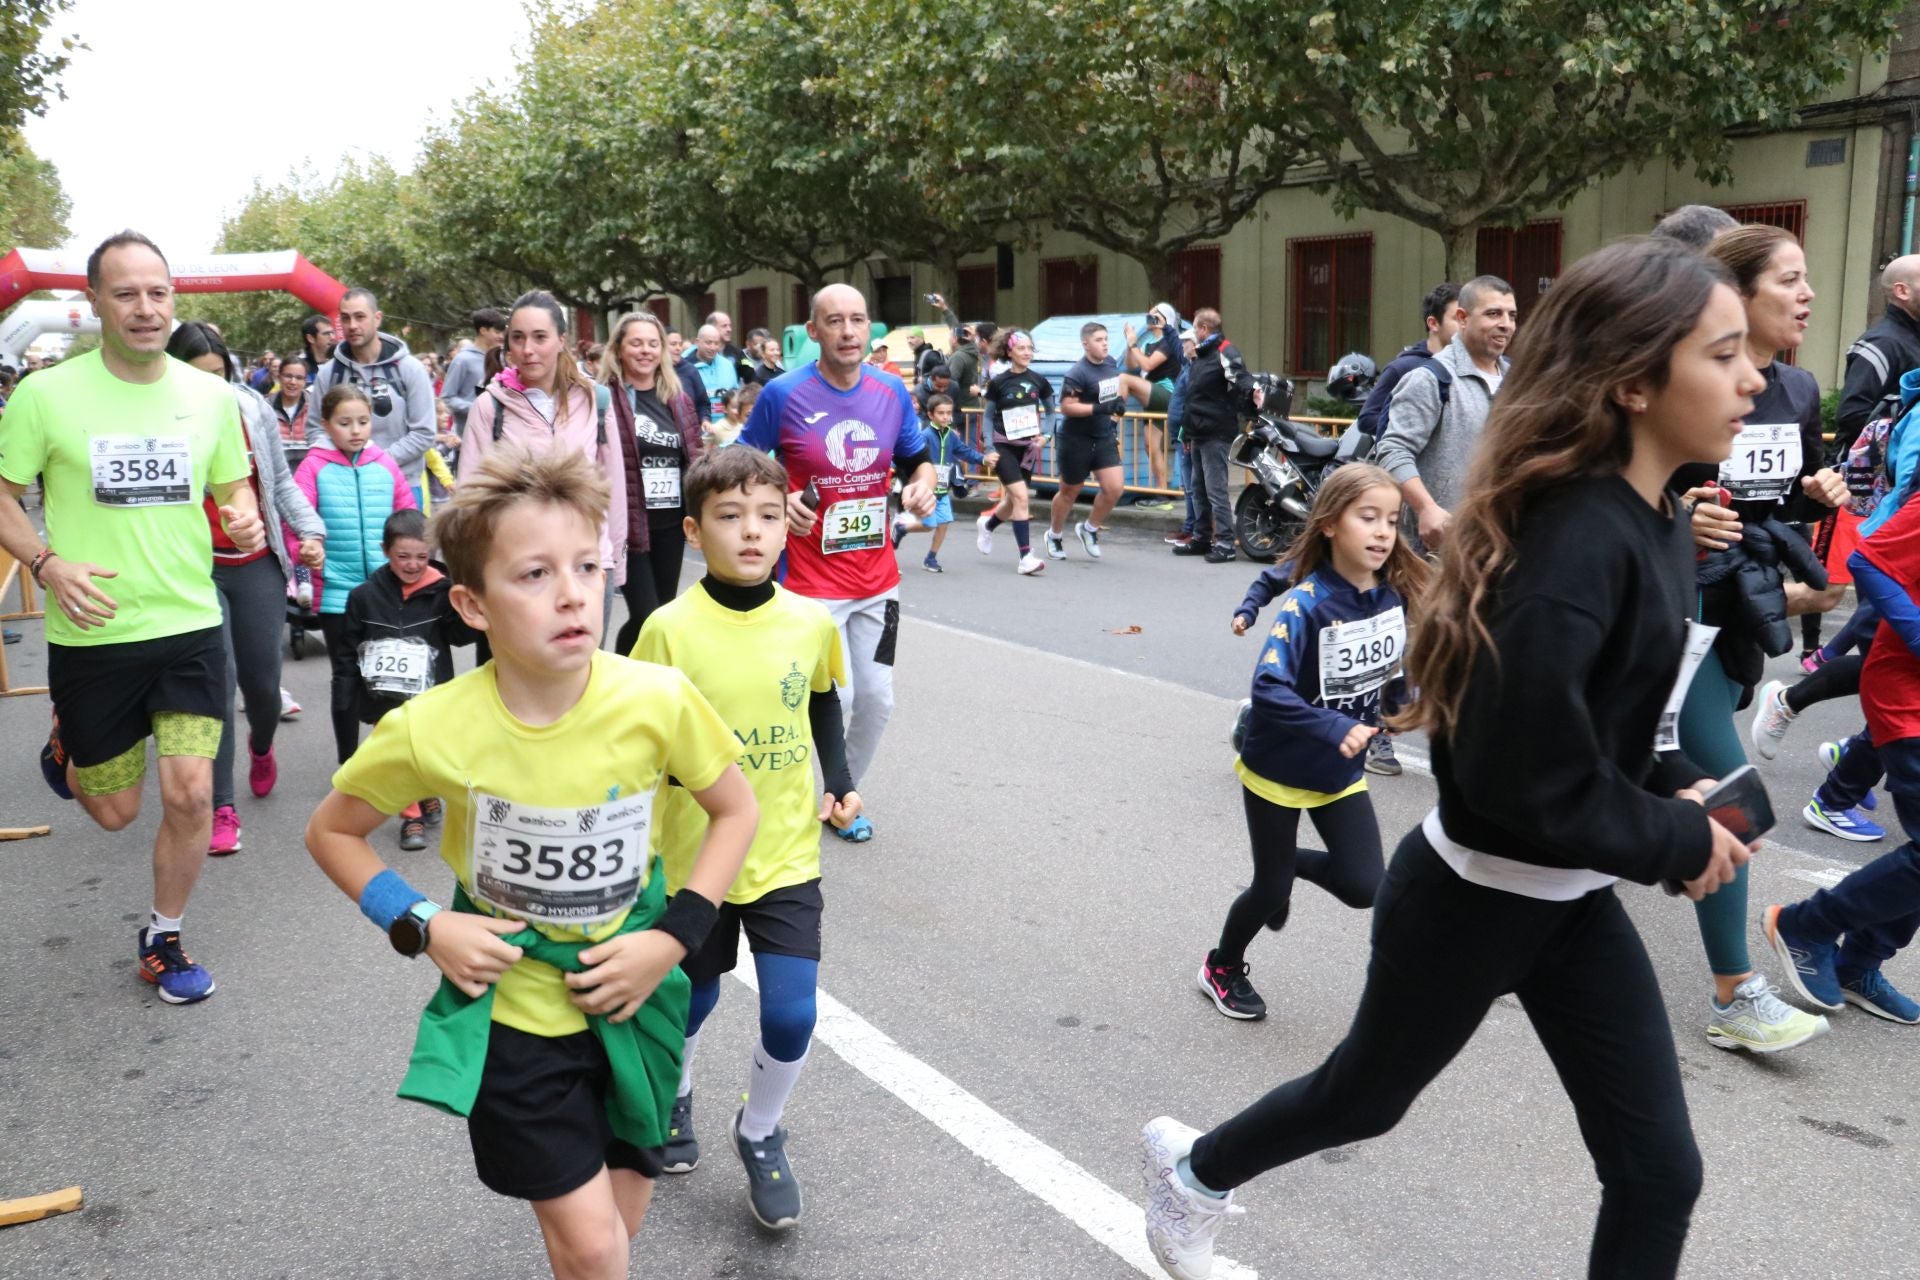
(861, 456)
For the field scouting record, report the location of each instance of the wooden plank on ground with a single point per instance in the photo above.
(34, 1208)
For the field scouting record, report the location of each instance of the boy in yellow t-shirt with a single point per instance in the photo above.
(768, 660)
(559, 1027)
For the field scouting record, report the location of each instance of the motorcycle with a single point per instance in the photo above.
(1289, 462)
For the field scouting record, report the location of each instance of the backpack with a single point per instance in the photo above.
(1865, 465)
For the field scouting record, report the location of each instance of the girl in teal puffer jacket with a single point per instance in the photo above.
(354, 486)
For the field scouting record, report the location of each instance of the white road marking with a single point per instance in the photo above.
(1825, 879)
(1090, 1204)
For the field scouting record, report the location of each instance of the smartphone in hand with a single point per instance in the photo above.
(1739, 803)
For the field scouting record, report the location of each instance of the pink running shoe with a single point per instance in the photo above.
(262, 772)
(226, 832)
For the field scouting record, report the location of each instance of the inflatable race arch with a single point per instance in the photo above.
(25, 270)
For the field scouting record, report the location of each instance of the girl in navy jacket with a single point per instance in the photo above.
(1336, 642)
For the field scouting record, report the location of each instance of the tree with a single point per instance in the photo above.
(576, 182)
(371, 226)
(33, 205)
(1456, 114)
(788, 155)
(32, 79)
(1138, 132)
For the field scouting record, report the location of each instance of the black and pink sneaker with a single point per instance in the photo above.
(1231, 992)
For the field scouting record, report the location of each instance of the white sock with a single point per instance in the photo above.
(161, 924)
(767, 1093)
(686, 1065)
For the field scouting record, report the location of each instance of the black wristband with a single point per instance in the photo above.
(688, 919)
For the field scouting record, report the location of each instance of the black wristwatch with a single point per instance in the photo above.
(408, 933)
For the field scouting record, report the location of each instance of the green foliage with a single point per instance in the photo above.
(1136, 125)
(31, 79)
(1328, 407)
(580, 178)
(1470, 112)
(33, 205)
(370, 225)
(1830, 411)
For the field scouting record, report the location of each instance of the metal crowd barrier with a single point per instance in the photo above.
(1135, 461)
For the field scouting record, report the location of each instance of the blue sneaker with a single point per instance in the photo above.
(1848, 824)
(1810, 964)
(1871, 991)
(53, 762)
(167, 967)
(1830, 760)
(859, 831)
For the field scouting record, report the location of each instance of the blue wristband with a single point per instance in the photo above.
(387, 897)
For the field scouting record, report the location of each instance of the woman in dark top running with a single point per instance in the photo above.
(1560, 613)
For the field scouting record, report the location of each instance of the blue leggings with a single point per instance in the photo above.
(1711, 740)
(787, 1005)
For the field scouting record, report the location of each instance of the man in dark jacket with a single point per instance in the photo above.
(1883, 352)
(1442, 324)
(1219, 392)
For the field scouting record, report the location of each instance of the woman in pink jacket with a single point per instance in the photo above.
(542, 400)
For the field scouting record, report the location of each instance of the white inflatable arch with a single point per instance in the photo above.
(25, 270)
(36, 316)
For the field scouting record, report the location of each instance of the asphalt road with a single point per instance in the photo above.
(1010, 965)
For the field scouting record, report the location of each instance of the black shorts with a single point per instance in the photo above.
(539, 1127)
(1083, 453)
(106, 694)
(783, 922)
(1008, 462)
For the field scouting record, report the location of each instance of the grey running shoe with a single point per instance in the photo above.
(773, 1194)
(1089, 538)
(1759, 1021)
(681, 1154)
(1056, 546)
(1380, 757)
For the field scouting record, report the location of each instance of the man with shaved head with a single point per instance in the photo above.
(1884, 352)
(842, 428)
(717, 373)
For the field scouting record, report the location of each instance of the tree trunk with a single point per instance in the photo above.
(946, 277)
(1159, 268)
(1463, 251)
(691, 298)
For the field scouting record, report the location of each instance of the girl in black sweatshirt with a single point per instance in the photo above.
(1560, 614)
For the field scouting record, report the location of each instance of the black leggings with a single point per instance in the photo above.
(346, 684)
(1443, 951)
(1838, 678)
(653, 578)
(1349, 869)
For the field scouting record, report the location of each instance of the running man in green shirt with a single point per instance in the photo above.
(127, 444)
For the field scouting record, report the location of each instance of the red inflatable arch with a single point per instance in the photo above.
(25, 270)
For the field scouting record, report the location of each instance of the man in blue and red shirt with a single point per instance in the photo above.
(842, 427)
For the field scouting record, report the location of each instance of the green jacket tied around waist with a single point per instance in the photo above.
(644, 1052)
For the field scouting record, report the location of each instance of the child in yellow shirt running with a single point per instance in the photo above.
(559, 1027)
(768, 660)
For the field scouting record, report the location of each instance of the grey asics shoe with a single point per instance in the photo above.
(681, 1154)
(773, 1194)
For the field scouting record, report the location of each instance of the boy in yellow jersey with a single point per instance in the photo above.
(768, 660)
(559, 1027)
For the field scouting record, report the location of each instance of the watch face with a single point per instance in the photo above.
(408, 935)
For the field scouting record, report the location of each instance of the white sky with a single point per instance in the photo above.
(176, 109)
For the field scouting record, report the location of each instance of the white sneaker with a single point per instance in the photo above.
(1181, 1222)
(1031, 564)
(1089, 538)
(985, 538)
(1771, 719)
(1056, 546)
(1759, 1021)
(289, 709)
